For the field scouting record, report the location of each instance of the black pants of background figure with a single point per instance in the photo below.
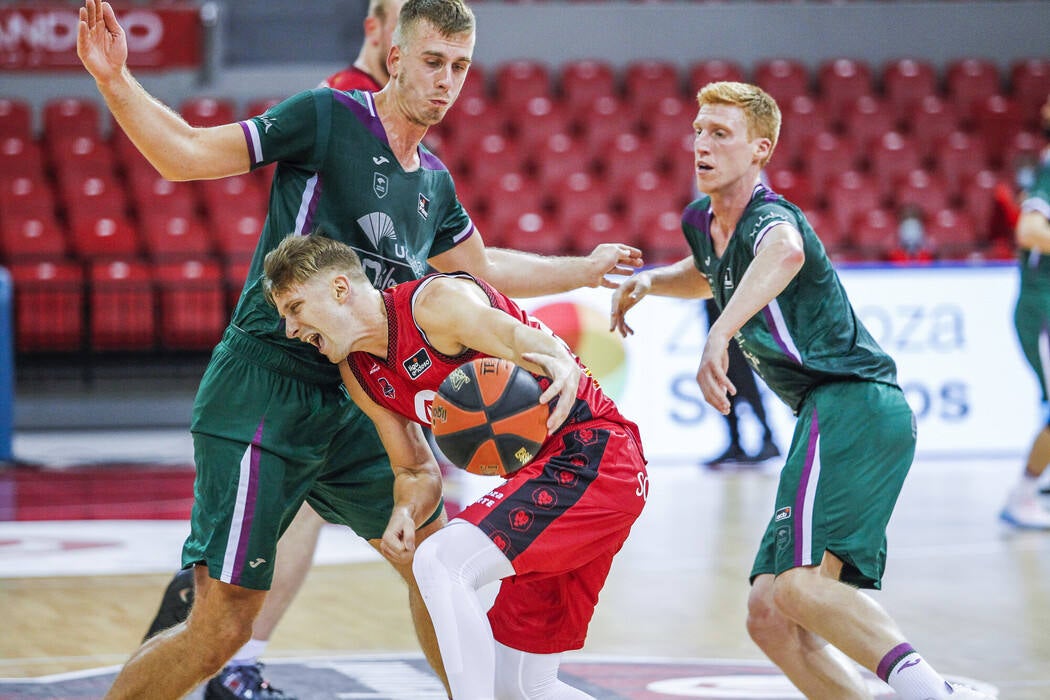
(743, 379)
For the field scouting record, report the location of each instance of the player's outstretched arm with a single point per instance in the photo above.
(680, 279)
(177, 150)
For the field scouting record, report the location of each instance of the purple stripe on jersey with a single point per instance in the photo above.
(800, 517)
(363, 114)
(430, 161)
(254, 147)
(311, 209)
(698, 219)
(775, 330)
(249, 506)
(466, 233)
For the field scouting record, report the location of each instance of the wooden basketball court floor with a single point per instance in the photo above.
(971, 594)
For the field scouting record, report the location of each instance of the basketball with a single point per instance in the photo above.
(487, 418)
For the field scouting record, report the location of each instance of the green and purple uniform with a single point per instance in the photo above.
(855, 436)
(271, 424)
(1032, 313)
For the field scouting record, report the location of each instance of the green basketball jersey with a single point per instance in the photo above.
(809, 335)
(1035, 268)
(336, 174)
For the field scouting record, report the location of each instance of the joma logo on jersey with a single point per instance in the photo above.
(418, 363)
(380, 184)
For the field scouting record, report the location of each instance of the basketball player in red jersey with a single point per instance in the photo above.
(368, 71)
(549, 532)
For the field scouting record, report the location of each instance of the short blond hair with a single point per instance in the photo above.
(448, 17)
(761, 112)
(298, 259)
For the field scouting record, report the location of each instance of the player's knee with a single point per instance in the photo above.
(765, 625)
(791, 596)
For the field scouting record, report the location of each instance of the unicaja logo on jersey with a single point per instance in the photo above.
(377, 226)
(380, 184)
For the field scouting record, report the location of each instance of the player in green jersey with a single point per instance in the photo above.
(1032, 321)
(779, 296)
(271, 426)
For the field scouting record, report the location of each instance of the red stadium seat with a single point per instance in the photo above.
(715, 70)
(997, 120)
(103, 237)
(476, 84)
(582, 82)
(174, 236)
(922, 190)
(628, 155)
(493, 157)
(802, 119)
(235, 234)
(951, 234)
(849, 195)
(207, 111)
(840, 81)
(891, 157)
(647, 194)
(646, 82)
(968, 81)
(28, 238)
(873, 234)
(602, 121)
(660, 238)
(866, 119)
(670, 119)
(794, 186)
(26, 196)
(121, 306)
(239, 192)
(193, 306)
(1023, 150)
(235, 274)
(538, 118)
(929, 121)
(597, 228)
(782, 78)
(978, 200)
(21, 156)
(578, 199)
(86, 155)
(559, 157)
(48, 306)
(16, 118)
(470, 120)
(67, 117)
(1029, 86)
(532, 232)
(519, 81)
(152, 194)
(511, 196)
(958, 156)
(825, 156)
(87, 195)
(905, 81)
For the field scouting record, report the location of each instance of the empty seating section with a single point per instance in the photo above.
(109, 256)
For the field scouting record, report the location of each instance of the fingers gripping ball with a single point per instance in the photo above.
(487, 418)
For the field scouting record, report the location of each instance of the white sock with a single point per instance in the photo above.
(249, 654)
(914, 679)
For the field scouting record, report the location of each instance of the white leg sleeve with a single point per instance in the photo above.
(524, 676)
(450, 566)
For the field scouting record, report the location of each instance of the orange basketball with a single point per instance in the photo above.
(487, 418)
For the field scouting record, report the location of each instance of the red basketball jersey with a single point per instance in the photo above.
(407, 380)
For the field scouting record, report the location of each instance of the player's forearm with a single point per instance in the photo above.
(767, 276)
(417, 491)
(680, 279)
(520, 274)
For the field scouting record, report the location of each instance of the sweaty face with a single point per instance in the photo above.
(430, 70)
(722, 151)
(314, 314)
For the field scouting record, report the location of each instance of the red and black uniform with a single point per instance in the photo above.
(352, 78)
(562, 517)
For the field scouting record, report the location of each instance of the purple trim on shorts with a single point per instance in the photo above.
(892, 658)
(249, 506)
(363, 114)
(800, 516)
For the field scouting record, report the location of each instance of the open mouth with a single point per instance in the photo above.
(314, 339)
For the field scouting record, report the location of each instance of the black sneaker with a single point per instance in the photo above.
(734, 454)
(243, 683)
(176, 603)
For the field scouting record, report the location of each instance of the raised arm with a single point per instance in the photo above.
(177, 150)
(680, 279)
(417, 477)
(455, 314)
(778, 259)
(520, 274)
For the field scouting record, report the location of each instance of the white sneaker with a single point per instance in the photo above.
(965, 692)
(1023, 510)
